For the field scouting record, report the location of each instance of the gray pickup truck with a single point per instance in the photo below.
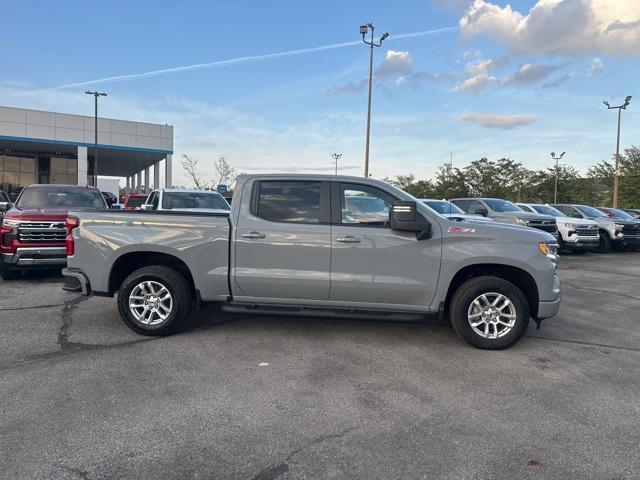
(317, 245)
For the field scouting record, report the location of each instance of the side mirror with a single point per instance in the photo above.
(404, 217)
(147, 206)
(4, 206)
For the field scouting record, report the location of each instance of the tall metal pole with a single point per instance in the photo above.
(616, 178)
(336, 157)
(555, 189)
(366, 152)
(95, 94)
(372, 44)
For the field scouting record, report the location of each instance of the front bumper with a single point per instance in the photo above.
(76, 281)
(550, 308)
(36, 257)
(577, 241)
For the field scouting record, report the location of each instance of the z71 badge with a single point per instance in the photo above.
(461, 230)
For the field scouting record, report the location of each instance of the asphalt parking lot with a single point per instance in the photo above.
(259, 398)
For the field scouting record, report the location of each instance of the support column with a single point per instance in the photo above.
(168, 181)
(82, 166)
(139, 182)
(156, 175)
(128, 184)
(146, 180)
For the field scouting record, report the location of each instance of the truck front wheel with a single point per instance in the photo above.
(155, 301)
(489, 312)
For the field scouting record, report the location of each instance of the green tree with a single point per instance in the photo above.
(450, 182)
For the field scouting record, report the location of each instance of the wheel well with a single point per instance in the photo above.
(130, 262)
(520, 278)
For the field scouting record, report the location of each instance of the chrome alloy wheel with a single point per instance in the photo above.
(150, 302)
(492, 315)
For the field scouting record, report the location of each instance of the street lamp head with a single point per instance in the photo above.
(562, 154)
(553, 154)
(628, 99)
(606, 103)
(364, 29)
(383, 37)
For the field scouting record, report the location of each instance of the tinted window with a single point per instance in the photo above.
(569, 211)
(443, 207)
(547, 210)
(463, 204)
(65, 197)
(289, 201)
(364, 205)
(590, 211)
(178, 200)
(476, 208)
(502, 205)
(617, 213)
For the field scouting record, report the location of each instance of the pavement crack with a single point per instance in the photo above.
(78, 472)
(274, 471)
(67, 320)
(13, 309)
(589, 344)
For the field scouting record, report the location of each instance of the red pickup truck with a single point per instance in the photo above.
(33, 232)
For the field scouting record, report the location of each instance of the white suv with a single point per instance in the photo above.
(183, 200)
(573, 233)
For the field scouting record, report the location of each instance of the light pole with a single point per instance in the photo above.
(96, 94)
(616, 178)
(372, 44)
(555, 189)
(336, 157)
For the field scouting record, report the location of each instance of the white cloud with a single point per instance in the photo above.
(530, 74)
(569, 27)
(396, 64)
(490, 120)
(596, 67)
(475, 83)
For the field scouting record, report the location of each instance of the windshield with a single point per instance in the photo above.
(617, 213)
(590, 211)
(61, 197)
(177, 200)
(547, 210)
(502, 206)
(444, 207)
(4, 197)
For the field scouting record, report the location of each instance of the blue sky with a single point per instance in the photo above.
(518, 81)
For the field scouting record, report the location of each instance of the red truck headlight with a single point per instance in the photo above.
(71, 224)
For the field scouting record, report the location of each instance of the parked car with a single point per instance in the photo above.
(573, 233)
(134, 201)
(453, 212)
(5, 203)
(634, 212)
(33, 232)
(181, 200)
(290, 245)
(507, 212)
(614, 233)
(110, 198)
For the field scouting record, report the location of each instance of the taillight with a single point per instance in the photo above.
(71, 223)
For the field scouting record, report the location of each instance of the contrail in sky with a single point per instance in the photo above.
(251, 58)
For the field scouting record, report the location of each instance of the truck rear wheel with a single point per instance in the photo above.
(489, 312)
(155, 301)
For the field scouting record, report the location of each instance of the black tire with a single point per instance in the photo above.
(7, 274)
(605, 242)
(179, 316)
(473, 289)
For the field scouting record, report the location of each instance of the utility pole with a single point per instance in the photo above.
(336, 157)
(555, 189)
(372, 44)
(96, 94)
(616, 178)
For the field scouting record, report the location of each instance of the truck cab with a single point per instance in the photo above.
(185, 200)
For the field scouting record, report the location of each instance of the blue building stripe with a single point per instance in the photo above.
(83, 144)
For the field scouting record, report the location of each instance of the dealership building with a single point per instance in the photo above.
(51, 147)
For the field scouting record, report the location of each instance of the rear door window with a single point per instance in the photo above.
(289, 201)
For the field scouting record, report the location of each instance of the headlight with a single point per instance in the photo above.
(10, 223)
(563, 224)
(522, 221)
(549, 250)
(619, 226)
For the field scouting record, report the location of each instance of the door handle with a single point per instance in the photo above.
(253, 235)
(348, 239)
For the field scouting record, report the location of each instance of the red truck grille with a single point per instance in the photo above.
(35, 232)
